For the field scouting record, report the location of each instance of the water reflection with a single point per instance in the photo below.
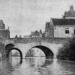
(68, 67)
(39, 64)
(54, 67)
(14, 61)
(47, 62)
(36, 61)
(36, 66)
(8, 66)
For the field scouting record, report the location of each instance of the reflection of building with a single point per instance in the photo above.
(61, 28)
(4, 33)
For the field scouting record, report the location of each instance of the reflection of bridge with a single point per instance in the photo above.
(41, 44)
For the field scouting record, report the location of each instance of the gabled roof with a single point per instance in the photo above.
(63, 21)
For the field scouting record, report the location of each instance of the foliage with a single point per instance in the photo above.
(30, 53)
(68, 51)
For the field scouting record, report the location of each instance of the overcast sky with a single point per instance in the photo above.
(24, 16)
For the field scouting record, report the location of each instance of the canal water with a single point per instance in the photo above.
(36, 66)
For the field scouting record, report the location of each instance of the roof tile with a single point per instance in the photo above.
(63, 21)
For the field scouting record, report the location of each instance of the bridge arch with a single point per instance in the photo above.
(10, 47)
(8, 53)
(48, 52)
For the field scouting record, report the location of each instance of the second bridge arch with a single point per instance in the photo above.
(48, 53)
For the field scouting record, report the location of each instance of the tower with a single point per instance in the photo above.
(2, 25)
(70, 14)
(71, 8)
(49, 29)
(4, 33)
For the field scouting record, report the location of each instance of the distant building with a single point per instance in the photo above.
(4, 33)
(36, 34)
(63, 27)
(49, 30)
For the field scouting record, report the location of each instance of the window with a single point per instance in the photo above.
(67, 31)
(74, 31)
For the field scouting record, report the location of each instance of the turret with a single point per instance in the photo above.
(70, 14)
(2, 25)
(71, 8)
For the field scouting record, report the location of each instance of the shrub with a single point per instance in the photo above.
(67, 52)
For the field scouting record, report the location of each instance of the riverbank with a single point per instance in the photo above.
(67, 52)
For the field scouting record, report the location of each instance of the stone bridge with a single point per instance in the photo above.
(42, 44)
(26, 47)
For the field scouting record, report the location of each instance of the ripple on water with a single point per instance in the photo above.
(36, 66)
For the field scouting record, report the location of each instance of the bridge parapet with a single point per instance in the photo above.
(39, 39)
